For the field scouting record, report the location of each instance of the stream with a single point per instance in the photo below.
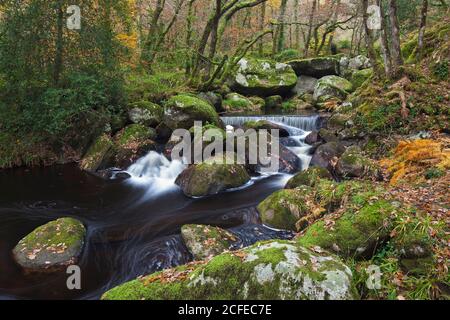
(133, 226)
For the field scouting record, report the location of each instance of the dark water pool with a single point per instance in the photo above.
(132, 229)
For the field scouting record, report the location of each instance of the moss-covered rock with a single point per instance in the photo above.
(274, 102)
(284, 208)
(51, 247)
(213, 98)
(183, 110)
(263, 78)
(331, 88)
(145, 113)
(326, 154)
(361, 76)
(132, 143)
(308, 178)
(99, 154)
(316, 67)
(266, 271)
(305, 84)
(353, 164)
(206, 241)
(213, 176)
(357, 233)
(234, 102)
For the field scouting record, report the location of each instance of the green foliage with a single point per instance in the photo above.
(287, 55)
(440, 70)
(154, 87)
(344, 44)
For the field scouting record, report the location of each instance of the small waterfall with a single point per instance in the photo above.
(305, 123)
(155, 167)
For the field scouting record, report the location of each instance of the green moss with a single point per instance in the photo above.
(192, 108)
(68, 231)
(235, 102)
(267, 270)
(361, 76)
(287, 55)
(284, 208)
(356, 232)
(134, 133)
(309, 178)
(97, 154)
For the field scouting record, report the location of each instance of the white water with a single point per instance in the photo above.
(306, 123)
(299, 127)
(155, 169)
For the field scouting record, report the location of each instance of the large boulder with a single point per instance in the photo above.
(271, 270)
(327, 154)
(132, 143)
(145, 113)
(305, 84)
(284, 208)
(99, 154)
(183, 110)
(51, 247)
(213, 176)
(316, 67)
(206, 241)
(263, 78)
(331, 88)
(308, 178)
(359, 62)
(358, 232)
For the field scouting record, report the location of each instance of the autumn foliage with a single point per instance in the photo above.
(413, 158)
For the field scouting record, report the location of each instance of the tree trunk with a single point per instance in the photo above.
(297, 26)
(310, 27)
(396, 53)
(279, 33)
(384, 42)
(369, 39)
(262, 22)
(423, 24)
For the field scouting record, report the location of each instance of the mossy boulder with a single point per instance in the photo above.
(262, 78)
(316, 67)
(327, 154)
(284, 208)
(213, 98)
(275, 270)
(357, 233)
(234, 102)
(181, 111)
(99, 154)
(274, 102)
(132, 143)
(215, 175)
(145, 113)
(309, 178)
(353, 164)
(51, 247)
(206, 241)
(361, 76)
(332, 87)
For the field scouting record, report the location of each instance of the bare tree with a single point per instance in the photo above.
(385, 50)
(369, 39)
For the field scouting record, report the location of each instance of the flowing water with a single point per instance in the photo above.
(133, 226)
